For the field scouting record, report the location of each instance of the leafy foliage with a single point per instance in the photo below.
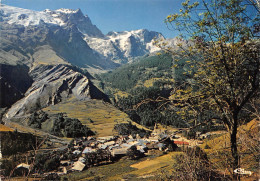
(46, 162)
(61, 125)
(36, 119)
(69, 127)
(133, 153)
(100, 156)
(227, 75)
(193, 165)
(15, 142)
(7, 166)
(150, 113)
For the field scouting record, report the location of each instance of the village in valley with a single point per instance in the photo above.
(85, 152)
(131, 101)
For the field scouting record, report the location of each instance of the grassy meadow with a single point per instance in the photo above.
(98, 115)
(146, 168)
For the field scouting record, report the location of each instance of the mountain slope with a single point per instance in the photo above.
(65, 42)
(30, 37)
(130, 76)
(49, 43)
(70, 37)
(99, 116)
(53, 84)
(141, 89)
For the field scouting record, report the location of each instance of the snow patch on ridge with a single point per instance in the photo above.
(26, 17)
(67, 11)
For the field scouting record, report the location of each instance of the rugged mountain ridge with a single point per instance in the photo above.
(76, 17)
(49, 43)
(48, 37)
(60, 17)
(70, 37)
(53, 84)
(60, 45)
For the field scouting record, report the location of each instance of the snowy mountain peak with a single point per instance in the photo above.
(25, 17)
(120, 47)
(124, 46)
(60, 17)
(142, 34)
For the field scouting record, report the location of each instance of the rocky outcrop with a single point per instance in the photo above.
(53, 84)
(82, 22)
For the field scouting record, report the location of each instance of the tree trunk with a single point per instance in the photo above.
(233, 141)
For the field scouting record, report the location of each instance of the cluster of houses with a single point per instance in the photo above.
(89, 151)
(115, 146)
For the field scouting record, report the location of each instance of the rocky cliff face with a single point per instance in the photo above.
(38, 54)
(81, 21)
(53, 84)
(38, 51)
(65, 43)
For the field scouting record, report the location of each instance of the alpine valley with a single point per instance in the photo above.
(50, 57)
(76, 104)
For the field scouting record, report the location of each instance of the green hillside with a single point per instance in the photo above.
(130, 76)
(148, 78)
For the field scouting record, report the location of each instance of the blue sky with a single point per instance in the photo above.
(114, 15)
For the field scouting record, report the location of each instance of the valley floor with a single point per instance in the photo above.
(157, 165)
